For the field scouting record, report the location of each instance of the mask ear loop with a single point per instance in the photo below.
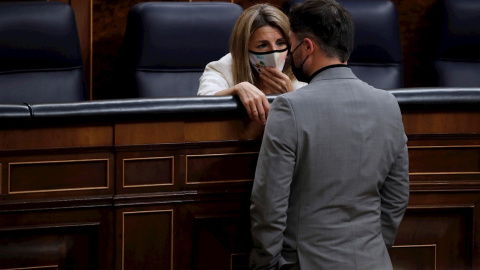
(301, 65)
(291, 53)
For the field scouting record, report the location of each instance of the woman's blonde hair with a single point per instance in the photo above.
(250, 20)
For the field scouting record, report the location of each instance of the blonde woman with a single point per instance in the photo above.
(256, 64)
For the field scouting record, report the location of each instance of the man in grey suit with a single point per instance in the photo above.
(331, 184)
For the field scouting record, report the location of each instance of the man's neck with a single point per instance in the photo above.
(321, 62)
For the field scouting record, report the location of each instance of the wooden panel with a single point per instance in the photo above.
(83, 15)
(450, 163)
(190, 131)
(437, 160)
(219, 221)
(63, 175)
(453, 122)
(72, 238)
(211, 227)
(109, 23)
(149, 133)
(444, 167)
(448, 228)
(50, 247)
(220, 168)
(147, 240)
(443, 140)
(418, 30)
(147, 172)
(223, 130)
(48, 267)
(414, 257)
(56, 137)
(222, 242)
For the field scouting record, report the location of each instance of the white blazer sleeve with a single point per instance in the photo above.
(297, 84)
(216, 77)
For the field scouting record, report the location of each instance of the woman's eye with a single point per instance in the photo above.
(281, 43)
(261, 46)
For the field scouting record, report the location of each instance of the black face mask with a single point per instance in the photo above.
(298, 71)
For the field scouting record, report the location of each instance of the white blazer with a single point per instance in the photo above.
(218, 76)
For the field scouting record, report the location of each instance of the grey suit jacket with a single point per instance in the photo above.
(331, 184)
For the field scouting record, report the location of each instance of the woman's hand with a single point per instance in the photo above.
(254, 100)
(275, 81)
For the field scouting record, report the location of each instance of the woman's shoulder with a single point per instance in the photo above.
(217, 76)
(298, 84)
(222, 63)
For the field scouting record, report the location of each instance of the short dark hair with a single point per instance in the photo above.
(328, 23)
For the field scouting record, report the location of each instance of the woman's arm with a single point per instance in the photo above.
(253, 99)
(218, 80)
(217, 76)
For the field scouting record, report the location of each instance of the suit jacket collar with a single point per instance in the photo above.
(341, 72)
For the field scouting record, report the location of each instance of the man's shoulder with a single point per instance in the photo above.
(385, 94)
(317, 90)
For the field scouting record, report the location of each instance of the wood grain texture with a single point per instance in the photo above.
(456, 122)
(60, 175)
(148, 172)
(178, 202)
(147, 240)
(56, 137)
(222, 130)
(419, 26)
(149, 133)
(83, 16)
(74, 239)
(220, 168)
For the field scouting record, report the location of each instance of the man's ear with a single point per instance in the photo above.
(310, 45)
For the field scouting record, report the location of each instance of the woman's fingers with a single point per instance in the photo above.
(259, 105)
(262, 109)
(266, 108)
(276, 81)
(271, 80)
(255, 102)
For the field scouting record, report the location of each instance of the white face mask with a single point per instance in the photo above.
(274, 59)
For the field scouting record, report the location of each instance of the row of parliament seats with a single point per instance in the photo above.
(154, 55)
(168, 44)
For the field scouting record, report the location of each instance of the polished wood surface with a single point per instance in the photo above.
(56, 137)
(441, 122)
(147, 236)
(83, 10)
(174, 194)
(149, 133)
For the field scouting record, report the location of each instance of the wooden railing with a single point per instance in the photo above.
(165, 183)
